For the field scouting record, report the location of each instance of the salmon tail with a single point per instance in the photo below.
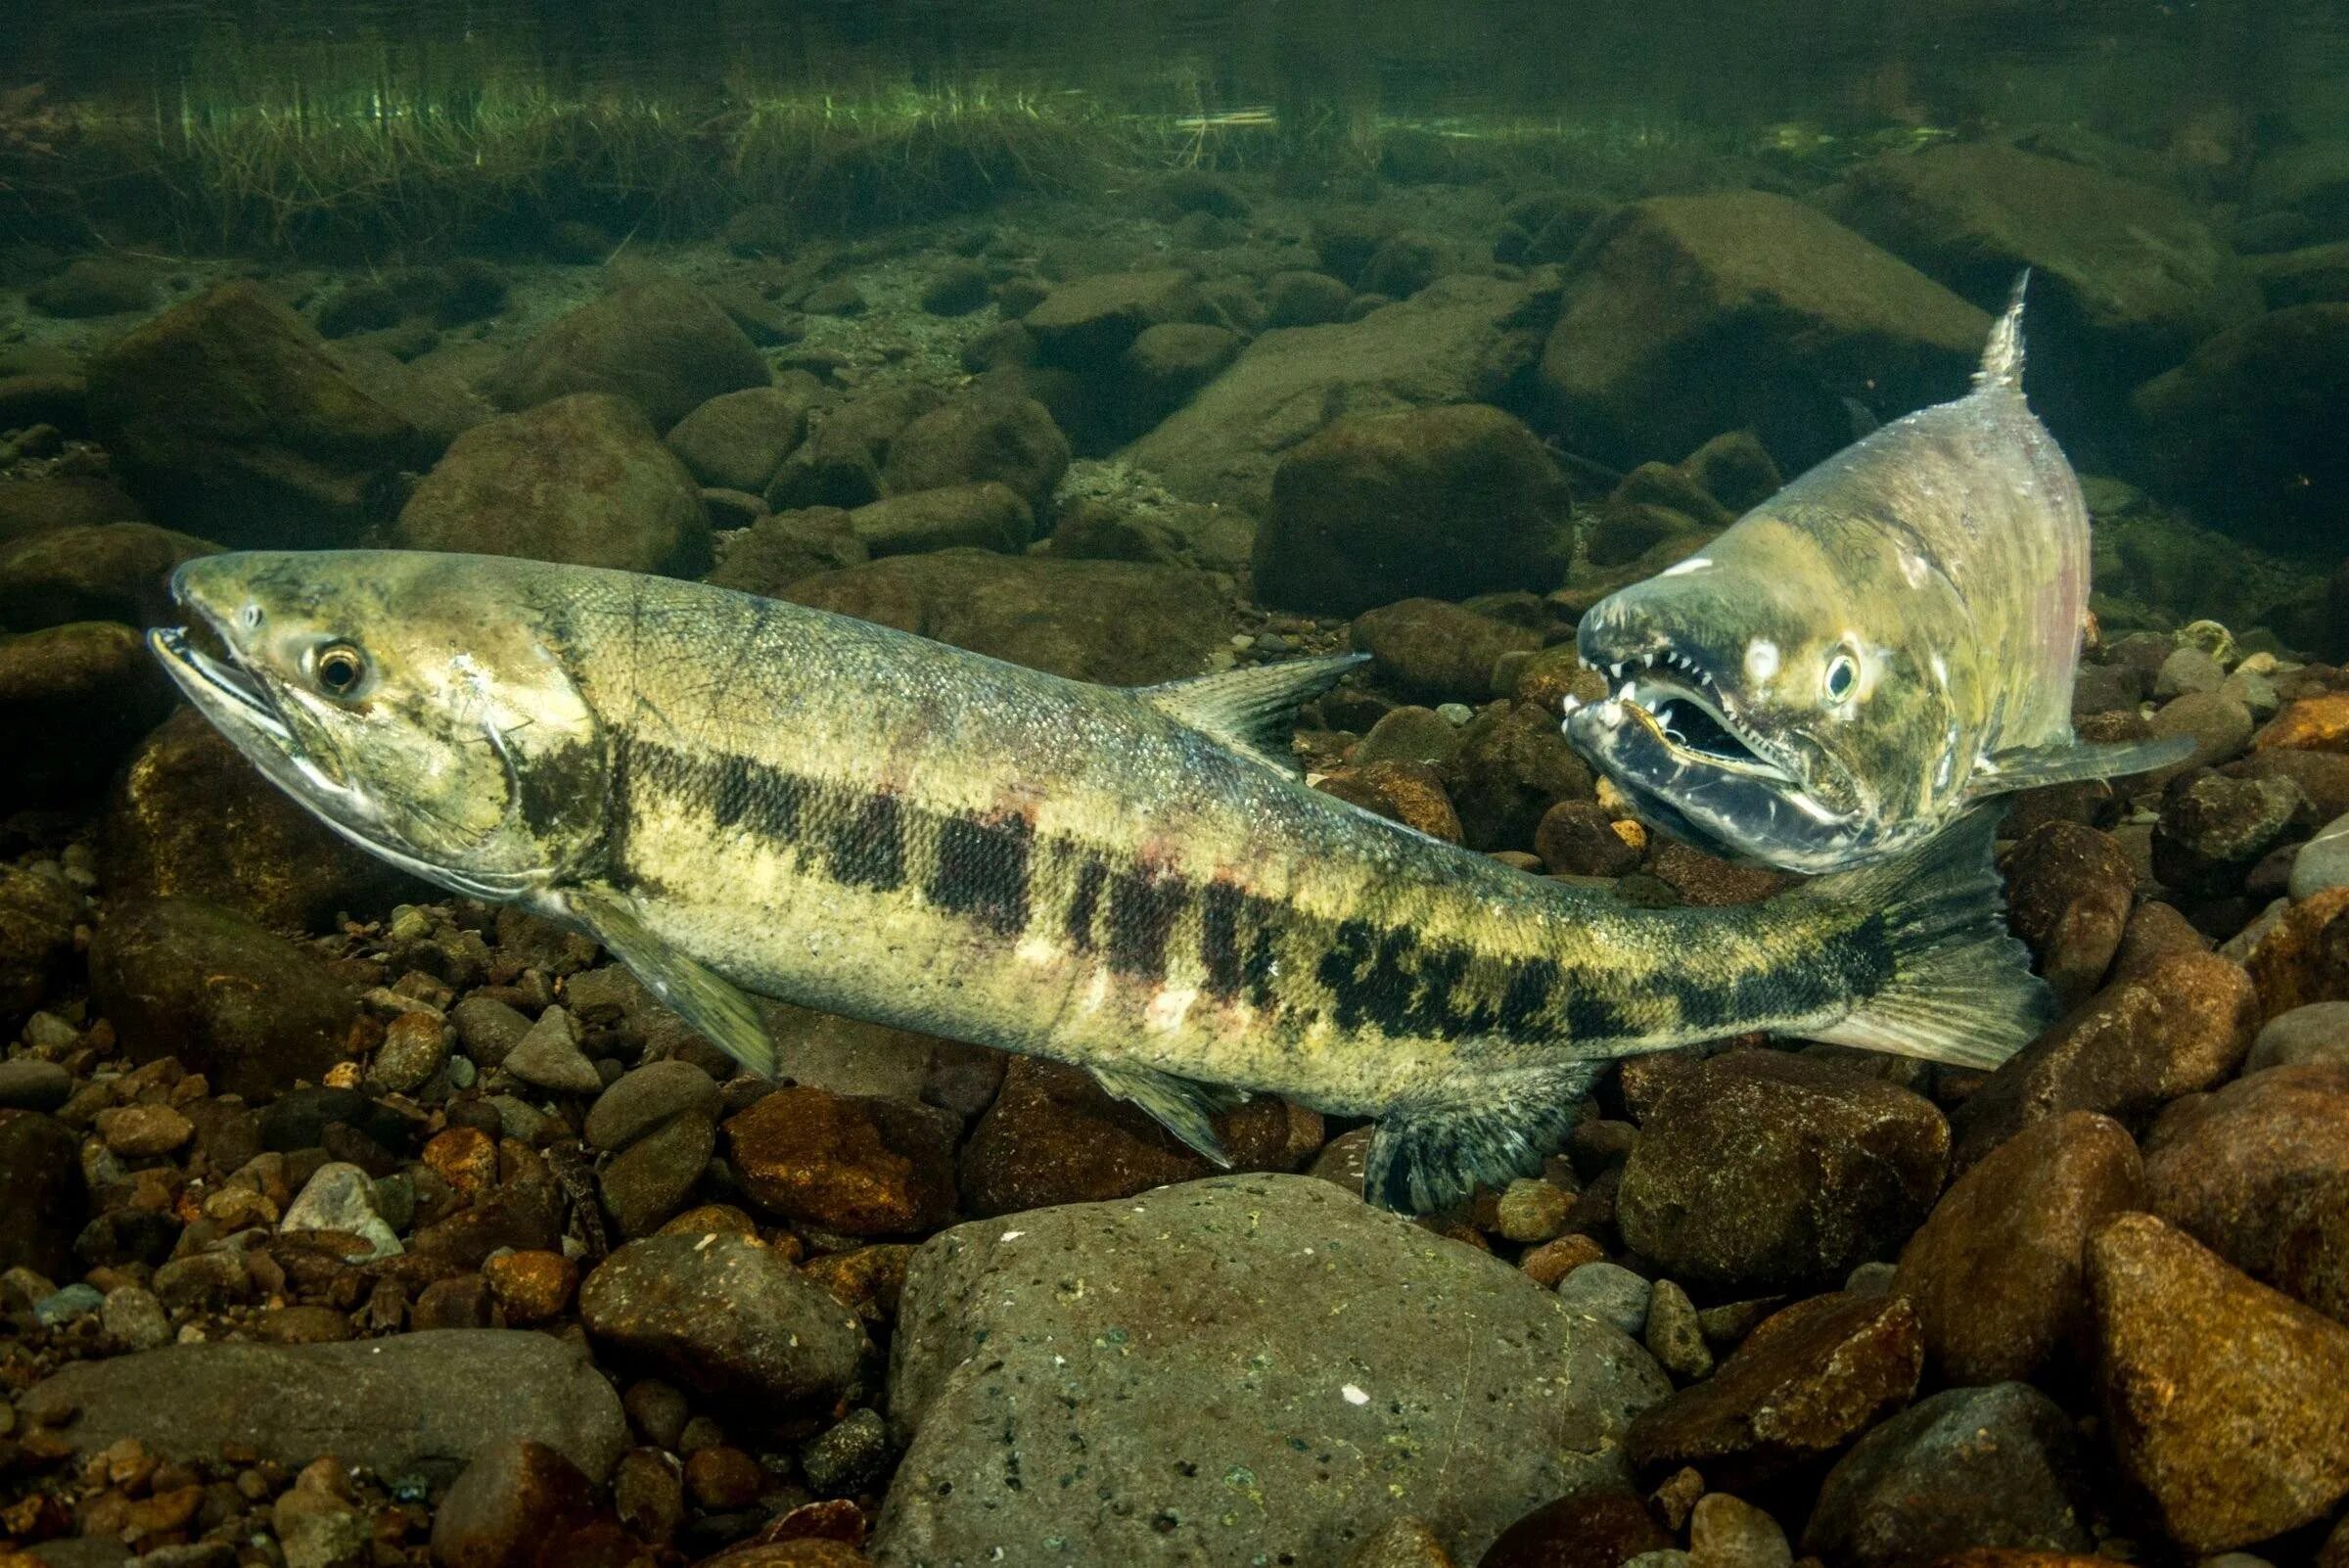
(2002, 357)
(1960, 988)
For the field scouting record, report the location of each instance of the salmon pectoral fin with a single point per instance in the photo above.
(1431, 1156)
(1958, 987)
(1184, 1107)
(713, 1005)
(2027, 767)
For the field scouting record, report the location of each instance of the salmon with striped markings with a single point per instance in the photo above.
(734, 794)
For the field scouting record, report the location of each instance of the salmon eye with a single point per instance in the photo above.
(340, 668)
(1843, 673)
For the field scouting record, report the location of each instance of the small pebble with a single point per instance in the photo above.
(133, 1318)
(848, 1458)
(549, 1057)
(1455, 713)
(415, 1047)
(144, 1132)
(721, 1477)
(341, 1197)
(1532, 1211)
(1608, 1292)
(1675, 1336)
(63, 1306)
(1727, 1532)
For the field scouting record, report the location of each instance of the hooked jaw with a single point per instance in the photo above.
(1693, 755)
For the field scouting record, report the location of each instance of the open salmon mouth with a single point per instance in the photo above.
(217, 686)
(1672, 696)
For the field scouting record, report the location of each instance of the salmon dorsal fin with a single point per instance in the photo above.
(1247, 711)
(2003, 355)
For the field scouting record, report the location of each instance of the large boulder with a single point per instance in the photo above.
(1439, 503)
(2125, 277)
(1253, 1369)
(1120, 622)
(1011, 440)
(1696, 314)
(34, 506)
(1441, 345)
(73, 699)
(1087, 323)
(229, 999)
(413, 1407)
(726, 1315)
(661, 344)
(228, 418)
(1761, 1169)
(107, 572)
(190, 819)
(2249, 429)
(581, 480)
(2222, 1398)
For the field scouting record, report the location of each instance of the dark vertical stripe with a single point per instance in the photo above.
(1143, 906)
(983, 869)
(868, 851)
(1084, 903)
(1220, 907)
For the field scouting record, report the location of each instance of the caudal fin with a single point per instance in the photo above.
(1961, 990)
(2002, 357)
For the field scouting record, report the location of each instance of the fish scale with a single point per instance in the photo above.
(739, 795)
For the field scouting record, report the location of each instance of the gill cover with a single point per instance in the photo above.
(415, 711)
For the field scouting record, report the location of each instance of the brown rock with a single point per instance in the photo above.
(189, 818)
(226, 997)
(723, 1476)
(2232, 1167)
(2312, 1256)
(859, 1165)
(1581, 839)
(232, 420)
(811, 1552)
(143, 1131)
(1437, 652)
(1054, 1136)
(1553, 1261)
(1708, 880)
(1968, 1466)
(2222, 1398)
(1410, 792)
(1513, 767)
(2304, 957)
(867, 1280)
(2154, 932)
(1588, 1530)
(531, 1286)
(2322, 776)
(1789, 1396)
(2319, 723)
(2181, 1025)
(1994, 1272)
(2068, 892)
(42, 1196)
(515, 1507)
(1757, 1168)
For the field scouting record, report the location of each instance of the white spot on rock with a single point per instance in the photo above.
(1354, 1395)
(1681, 568)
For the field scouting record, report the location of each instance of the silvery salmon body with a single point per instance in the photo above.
(1868, 653)
(732, 792)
